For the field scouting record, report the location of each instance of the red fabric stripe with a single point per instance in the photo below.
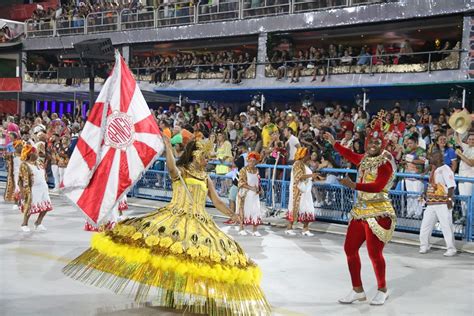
(145, 152)
(92, 196)
(124, 174)
(95, 116)
(147, 125)
(87, 153)
(127, 87)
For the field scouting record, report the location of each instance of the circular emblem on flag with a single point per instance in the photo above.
(119, 130)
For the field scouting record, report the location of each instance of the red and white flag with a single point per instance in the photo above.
(118, 143)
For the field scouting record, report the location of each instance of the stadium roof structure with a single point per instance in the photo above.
(428, 91)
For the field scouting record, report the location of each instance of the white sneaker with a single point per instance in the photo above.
(423, 251)
(450, 252)
(15, 207)
(40, 228)
(243, 232)
(25, 229)
(290, 232)
(352, 297)
(307, 233)
(256, 234)
(379, 298)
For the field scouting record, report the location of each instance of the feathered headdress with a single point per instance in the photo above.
(26, 151)
(379, 126)
(254, 155)
(301, 152)
(17, 143)
(203, 149)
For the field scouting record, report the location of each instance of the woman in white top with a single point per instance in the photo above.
(248, 200)
(300, 206)
(466, 169)
(33, 189)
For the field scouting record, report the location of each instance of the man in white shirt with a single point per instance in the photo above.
(466, 169)
(292, 144)
(439, 200)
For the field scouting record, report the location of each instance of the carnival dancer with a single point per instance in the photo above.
(373, 216)
(33, 189)
(177, 257)
(8, 195)
(439, 200)
(301, 206)
(16, 171)
(248, 199)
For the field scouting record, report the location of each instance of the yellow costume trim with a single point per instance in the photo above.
(217, 272)
(384, 235)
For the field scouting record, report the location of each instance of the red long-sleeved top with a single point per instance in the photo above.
(384, 171)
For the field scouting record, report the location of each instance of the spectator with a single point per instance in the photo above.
(449, 154)
(364, 57)
(292, 143)
(466, 169)
(414, 161)
(268, 129)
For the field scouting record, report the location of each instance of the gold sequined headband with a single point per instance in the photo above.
(203, 149)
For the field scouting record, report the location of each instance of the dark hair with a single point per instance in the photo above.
(187, 156)
(414, 138)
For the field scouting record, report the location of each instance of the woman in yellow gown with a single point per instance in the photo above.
(177, 257)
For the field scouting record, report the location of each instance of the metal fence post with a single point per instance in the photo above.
(429, 62)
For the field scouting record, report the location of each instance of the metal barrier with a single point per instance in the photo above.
(259, 8)
(182, 13)
(101, 22)
(75, 26)
(139, 19)
(332, 201)
(220, 11)
(179, 13)
(370, 64)
(39, 28)
(313, 5)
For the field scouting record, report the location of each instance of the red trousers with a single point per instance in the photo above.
(358, 232)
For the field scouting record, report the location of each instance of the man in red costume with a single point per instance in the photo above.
(373, 217)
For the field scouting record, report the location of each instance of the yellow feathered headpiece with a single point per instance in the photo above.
(301, 152)
(26, 151)
(203, 149)
(17, 143)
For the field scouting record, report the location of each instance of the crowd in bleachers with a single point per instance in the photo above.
(165, 68)
(276, 134)
(320, 60)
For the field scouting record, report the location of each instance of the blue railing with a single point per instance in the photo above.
(333, 202)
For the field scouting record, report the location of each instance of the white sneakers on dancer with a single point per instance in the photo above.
(243, 232)
(40, 228)
(290, 232)
(450, 253)
(25, 229)
(352, 297)
(307, 233)
(379, 298)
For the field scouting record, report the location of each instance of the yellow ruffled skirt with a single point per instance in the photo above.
(176, 259)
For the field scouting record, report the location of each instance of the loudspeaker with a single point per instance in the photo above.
(99, 49)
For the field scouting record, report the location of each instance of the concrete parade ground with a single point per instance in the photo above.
(301, 276)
